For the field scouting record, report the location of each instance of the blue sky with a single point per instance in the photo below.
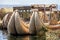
(28, 2)
(6, 3)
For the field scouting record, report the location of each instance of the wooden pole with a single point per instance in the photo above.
(44, 13)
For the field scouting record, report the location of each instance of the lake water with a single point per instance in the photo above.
(5, 36)
(50, 36)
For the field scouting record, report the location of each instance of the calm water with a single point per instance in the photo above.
(5, 36)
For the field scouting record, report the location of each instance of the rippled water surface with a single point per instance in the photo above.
(5, 36)
(49, 36)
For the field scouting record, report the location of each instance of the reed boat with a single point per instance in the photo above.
(38, 22)
(6, 20)
(0, 24)
(54, 27)
(17, 26)
(21, 27)
(53, 24)
(11, 24)
(32, 27)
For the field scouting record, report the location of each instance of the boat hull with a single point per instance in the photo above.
(11, 25)
(20, 26)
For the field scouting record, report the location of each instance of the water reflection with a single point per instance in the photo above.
(4, 36)
(24, 38)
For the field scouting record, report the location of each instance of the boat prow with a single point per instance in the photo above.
(21, 27)
(5, 21)
(32, 28)
(38, 22)
(11, 25)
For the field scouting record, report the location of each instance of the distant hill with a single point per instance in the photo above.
(4, 6)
